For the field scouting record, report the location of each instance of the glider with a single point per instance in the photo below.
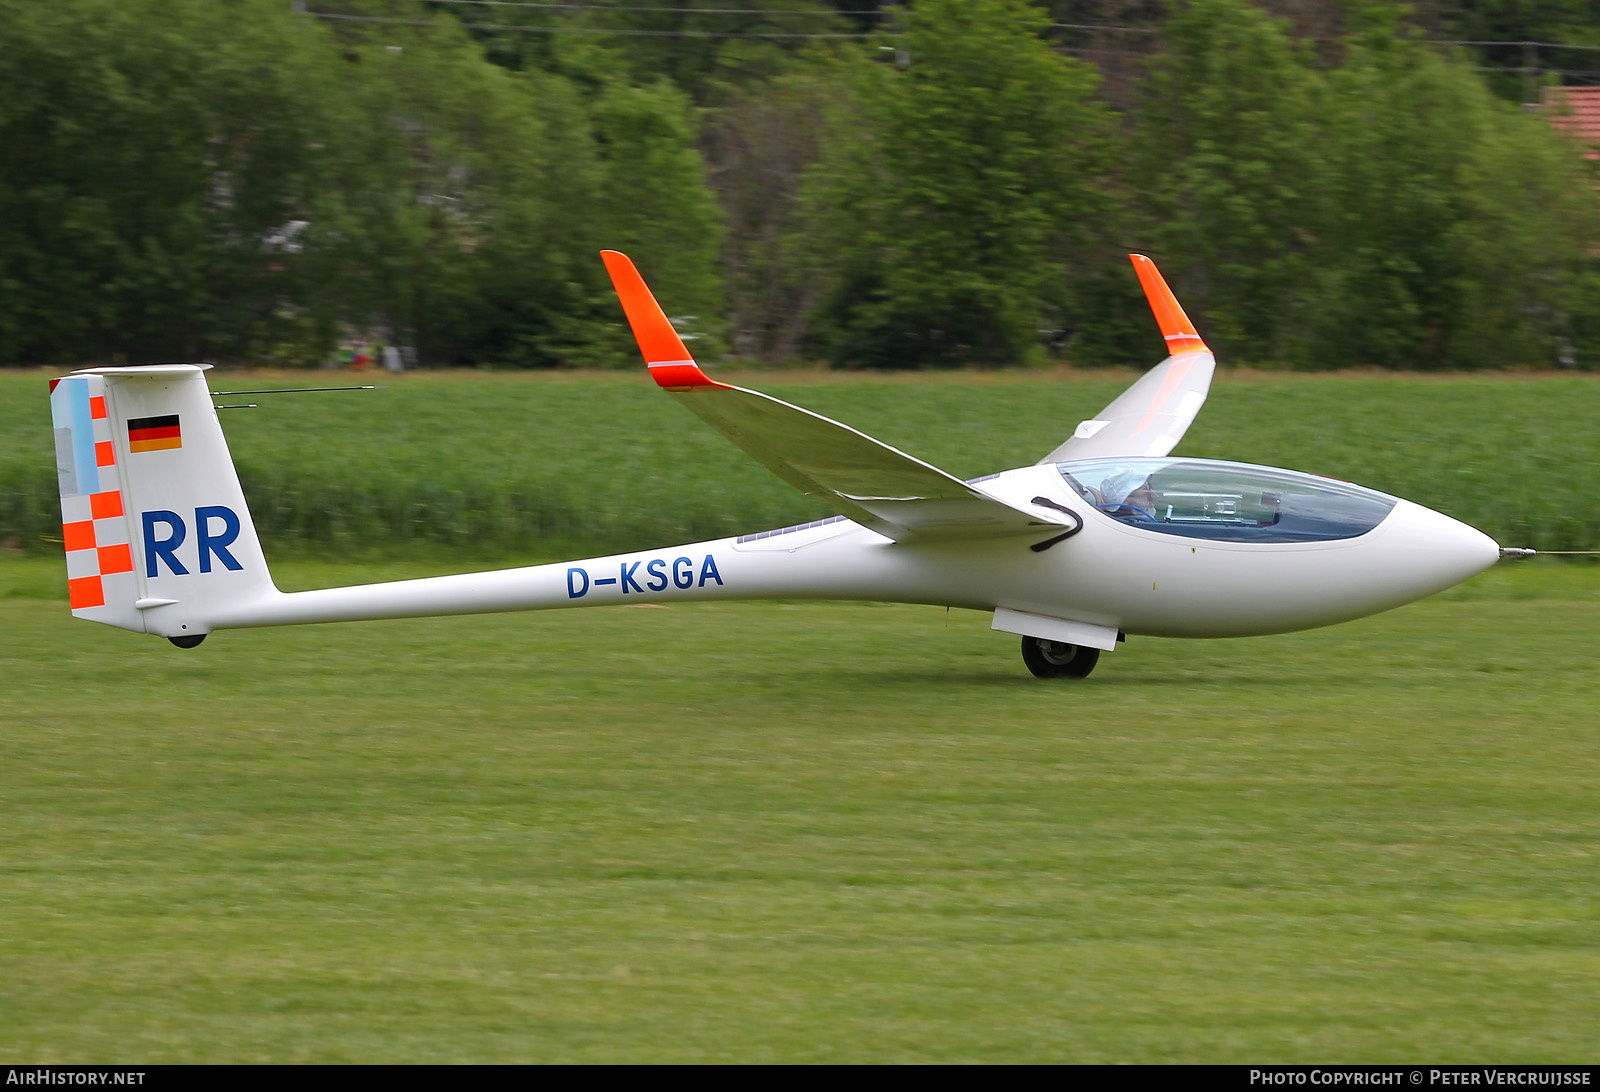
(1106, 536)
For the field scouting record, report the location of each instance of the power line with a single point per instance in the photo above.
(649, 8)
(1535, 45)
(372, 19)
(1096, 26)
(790, 34)
(1101, 52)
(586, 30)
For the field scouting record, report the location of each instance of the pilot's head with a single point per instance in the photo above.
(1128, 487)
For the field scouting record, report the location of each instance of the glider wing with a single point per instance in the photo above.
(878, 486)
(1150, 417)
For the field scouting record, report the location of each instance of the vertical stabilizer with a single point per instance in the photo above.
(155, 525)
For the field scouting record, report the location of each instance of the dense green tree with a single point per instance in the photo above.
(705, 48)
(479, 209)
(152, 151)
(191, 178)
(1520, 43)
(1231, 167)
(760, 145)
(658, 206)
(1457, 224)
(954, 189)
(496, 190)
(186, 178)
(1389, 210)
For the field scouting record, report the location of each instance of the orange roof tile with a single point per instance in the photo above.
(1575, 110)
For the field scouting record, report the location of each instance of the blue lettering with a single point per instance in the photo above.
(165, 548)
(658, 571)
(627, 577)
(208, 543)
(573, 591)
(708, 571)
(683, 572)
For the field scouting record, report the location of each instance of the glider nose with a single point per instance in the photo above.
(1439, 551)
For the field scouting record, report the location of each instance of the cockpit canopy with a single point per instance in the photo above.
(1226, 502)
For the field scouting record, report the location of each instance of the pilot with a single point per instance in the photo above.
(1129, 496)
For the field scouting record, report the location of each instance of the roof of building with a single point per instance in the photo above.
(1575, 110)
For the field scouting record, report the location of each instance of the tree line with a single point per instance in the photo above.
(953, 182)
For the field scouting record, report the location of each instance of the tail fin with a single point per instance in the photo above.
(154, 523)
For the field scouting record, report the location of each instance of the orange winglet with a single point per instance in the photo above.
(670, 363)
(1175, 325)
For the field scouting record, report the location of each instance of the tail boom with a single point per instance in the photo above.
(716, 569)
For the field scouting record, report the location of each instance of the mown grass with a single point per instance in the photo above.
(497, 465)
(772, 832)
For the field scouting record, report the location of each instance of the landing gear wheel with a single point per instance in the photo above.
(1058, 660)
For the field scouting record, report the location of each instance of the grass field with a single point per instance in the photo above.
(560, 465)
(773, 832)
(783, 832)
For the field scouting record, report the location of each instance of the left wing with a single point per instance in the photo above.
(878, 486)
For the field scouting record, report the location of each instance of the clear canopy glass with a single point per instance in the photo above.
(1227, 502)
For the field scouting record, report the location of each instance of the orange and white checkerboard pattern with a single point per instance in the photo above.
(94, 524)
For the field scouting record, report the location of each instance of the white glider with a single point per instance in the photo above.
(1107, 535)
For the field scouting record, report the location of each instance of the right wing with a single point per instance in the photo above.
(1150, 417)
(878, 486)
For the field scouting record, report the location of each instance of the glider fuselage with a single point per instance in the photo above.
(1110, 576)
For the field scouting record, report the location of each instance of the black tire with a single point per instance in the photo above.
(1058, 660)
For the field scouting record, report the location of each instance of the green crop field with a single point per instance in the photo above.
(551, 465)
(773, 832)
(801, 832)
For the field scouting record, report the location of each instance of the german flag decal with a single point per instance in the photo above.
(154, 433)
